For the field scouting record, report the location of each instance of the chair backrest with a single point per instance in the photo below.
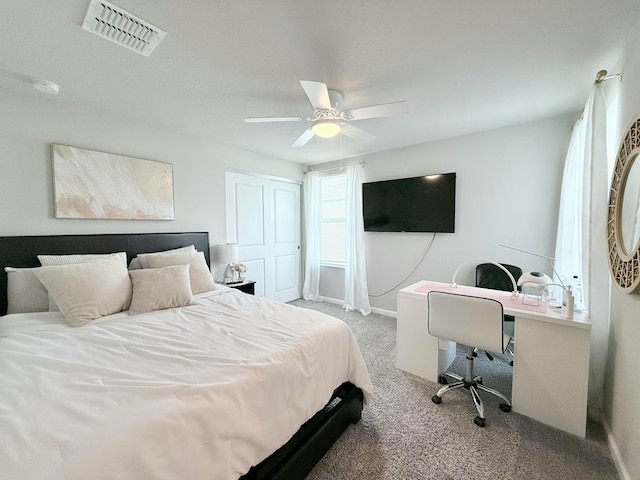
(491, 276)
(471, 321)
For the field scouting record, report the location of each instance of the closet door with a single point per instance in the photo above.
(263, 218)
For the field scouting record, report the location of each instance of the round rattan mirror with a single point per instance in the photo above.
(623, 221)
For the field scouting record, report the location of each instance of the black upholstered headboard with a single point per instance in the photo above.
(23, 251)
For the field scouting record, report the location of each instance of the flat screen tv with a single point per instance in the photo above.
(417, 204)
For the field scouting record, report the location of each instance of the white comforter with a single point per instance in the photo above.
(203, 392)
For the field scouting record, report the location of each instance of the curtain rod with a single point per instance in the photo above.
(601, 76)
(362, 163)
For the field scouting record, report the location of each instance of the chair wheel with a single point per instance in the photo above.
(442, 380)
(436, 399)
(504, 407)
(479, 421)
(479, 381)
(511, 363)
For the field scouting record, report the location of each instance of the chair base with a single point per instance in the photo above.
(473, 383)
(509, 350)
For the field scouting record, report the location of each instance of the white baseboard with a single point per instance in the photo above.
(615, 452)
(332, 300)
(386, 313)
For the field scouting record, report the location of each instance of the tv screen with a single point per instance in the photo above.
(418, 204)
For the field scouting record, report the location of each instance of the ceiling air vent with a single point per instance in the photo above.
(121, 27)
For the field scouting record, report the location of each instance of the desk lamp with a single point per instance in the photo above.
(514, 293)
(550, 260)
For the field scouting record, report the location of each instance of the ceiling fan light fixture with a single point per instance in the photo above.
(329, 119)
(326, 128)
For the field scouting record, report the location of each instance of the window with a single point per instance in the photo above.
(333, 193)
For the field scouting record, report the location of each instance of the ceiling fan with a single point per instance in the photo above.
(329, 118)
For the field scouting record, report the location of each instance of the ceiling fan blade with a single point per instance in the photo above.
(318, 94)
(356, 133)
(303, 139)
(383, 110)
(272, 119)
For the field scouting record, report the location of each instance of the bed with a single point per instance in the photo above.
(230, 386)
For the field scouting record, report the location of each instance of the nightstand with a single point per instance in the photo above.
(248, 286)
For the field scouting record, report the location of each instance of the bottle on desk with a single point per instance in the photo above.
(568, 302)
(577, 292)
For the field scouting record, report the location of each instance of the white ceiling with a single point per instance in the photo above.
(463, 65)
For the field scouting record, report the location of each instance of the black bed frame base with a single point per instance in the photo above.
(297, 457)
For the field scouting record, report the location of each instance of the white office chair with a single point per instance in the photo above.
(476, 323)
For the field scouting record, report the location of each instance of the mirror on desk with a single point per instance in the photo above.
(623, 223)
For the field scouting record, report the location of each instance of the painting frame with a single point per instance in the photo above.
(90, 184)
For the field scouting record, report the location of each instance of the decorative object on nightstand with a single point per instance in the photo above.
(240, 269)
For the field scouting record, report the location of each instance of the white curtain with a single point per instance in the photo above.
(568, 252)
(356, 294)
(311, 287)
(581, 243)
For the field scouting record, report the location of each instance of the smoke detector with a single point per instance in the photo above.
(119, 26)
(46, 86)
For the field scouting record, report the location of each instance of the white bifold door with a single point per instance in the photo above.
(263, 218)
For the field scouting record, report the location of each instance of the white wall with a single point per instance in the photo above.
(622, 389)
(332, 283)
(507, 192)
(30, 123)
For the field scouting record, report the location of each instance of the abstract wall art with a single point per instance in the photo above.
(97, 185)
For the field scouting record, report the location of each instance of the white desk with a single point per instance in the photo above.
(550, 366)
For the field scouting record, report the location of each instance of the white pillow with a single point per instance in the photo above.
(86, 291)
(46, 260)
(141, 260)
(25, 293)
(158, 288)
(199, 274)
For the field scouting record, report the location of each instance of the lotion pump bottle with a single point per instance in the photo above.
(568, 303)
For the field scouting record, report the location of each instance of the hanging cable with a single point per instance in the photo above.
(411, 272)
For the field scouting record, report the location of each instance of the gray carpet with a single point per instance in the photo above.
(404, 435)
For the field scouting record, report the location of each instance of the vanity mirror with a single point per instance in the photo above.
(623, 221)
